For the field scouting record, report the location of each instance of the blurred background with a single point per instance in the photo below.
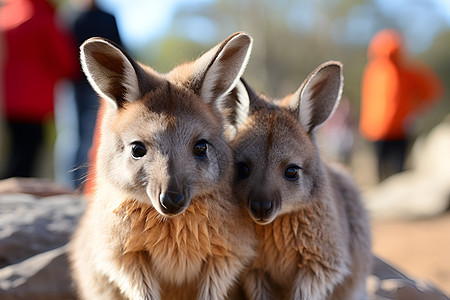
(291, 38)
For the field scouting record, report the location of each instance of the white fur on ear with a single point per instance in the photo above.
(130, 83)
(319, 95)
(86, 67)
(338, 97)
(241, 111)
(242, 105)
(103, 78)
(227, 69)
(238, 76)
(305, 108)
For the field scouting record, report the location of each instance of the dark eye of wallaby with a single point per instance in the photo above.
(243, 170)
(138, 150)
(291, 173)
(200, 149)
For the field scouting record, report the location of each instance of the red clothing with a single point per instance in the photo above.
(392, 90)
(38, 54)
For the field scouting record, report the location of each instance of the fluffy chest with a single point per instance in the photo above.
(289, 244)
(177, 247)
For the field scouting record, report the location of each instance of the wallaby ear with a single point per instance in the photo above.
(242, 102)
(318, 96)
(235, 108)
(112, 73)
(218, 70)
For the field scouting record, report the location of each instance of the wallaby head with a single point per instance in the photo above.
(162, 137)
(278, 165)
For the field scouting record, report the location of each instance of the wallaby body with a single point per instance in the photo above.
(162, 223)
(313, 229)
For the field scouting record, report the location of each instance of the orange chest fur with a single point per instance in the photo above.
(288, 243)
(175, 246)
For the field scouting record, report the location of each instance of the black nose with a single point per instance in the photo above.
(172, 202)
(261, 208)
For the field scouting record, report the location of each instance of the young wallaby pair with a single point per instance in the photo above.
(313, 230)
(162, 223)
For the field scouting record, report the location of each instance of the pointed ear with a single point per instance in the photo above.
(235, 108)
(219, 69)
(318, 96)
(112, 73)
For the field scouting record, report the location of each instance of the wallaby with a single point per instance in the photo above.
(162, 222)
(313, 229)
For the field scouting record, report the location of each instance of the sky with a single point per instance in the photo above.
(420, 28)
(140, 21)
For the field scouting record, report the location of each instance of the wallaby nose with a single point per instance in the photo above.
(261, 209)
(172, 202)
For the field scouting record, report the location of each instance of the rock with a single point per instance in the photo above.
(431, 153)
(34, 186)
(44, 276)
(31, 225)
(34, 233)
(409, 195)
(423, 191)
(387, 282)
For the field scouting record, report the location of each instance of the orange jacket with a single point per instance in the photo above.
(393, 91)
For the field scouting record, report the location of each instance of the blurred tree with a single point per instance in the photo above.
(169, 52)
(292, 37)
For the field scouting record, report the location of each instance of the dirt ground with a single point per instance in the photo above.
(420, 248)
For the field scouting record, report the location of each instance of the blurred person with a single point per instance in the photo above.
(92, 21)
(37, 54)
(394, 91)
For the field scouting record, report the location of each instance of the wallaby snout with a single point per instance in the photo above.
(174, 199)
(262, 207)
(173, 203)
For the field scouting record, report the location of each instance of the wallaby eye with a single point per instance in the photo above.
(200, 149)
(291, 173)
(243, 170)
(138, 150)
